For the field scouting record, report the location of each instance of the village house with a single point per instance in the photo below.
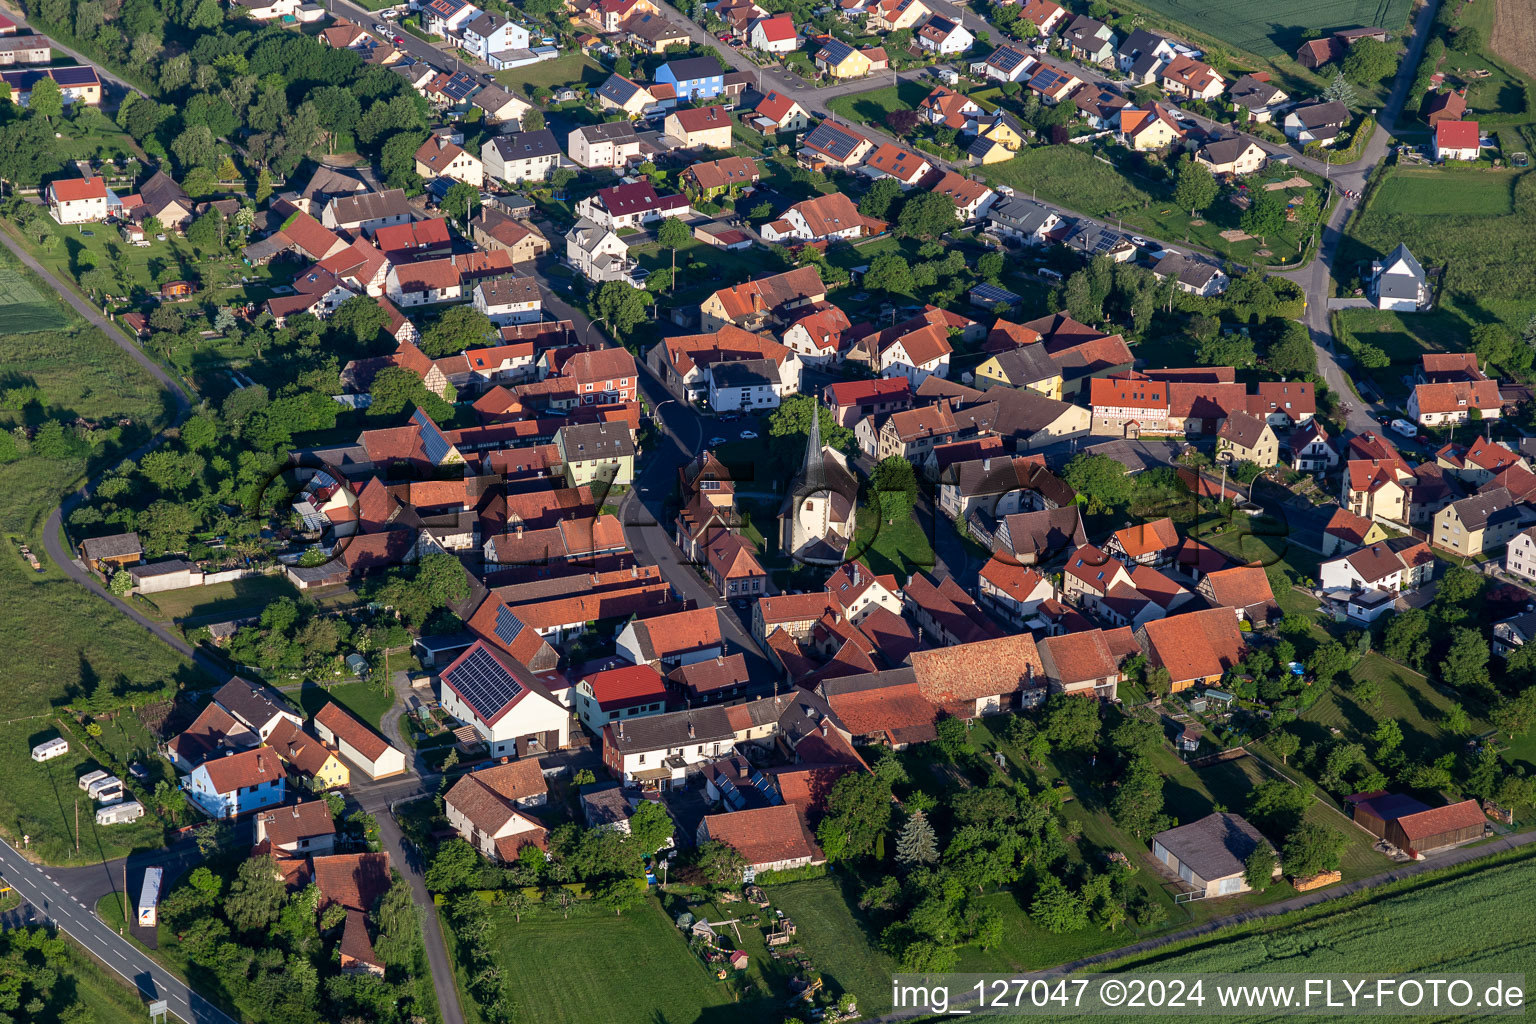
(1398, 282)
(1316, 122)
(1311, 450)
(1090, 41)
(750, 306)
(513, 711)
(1186, 76)
(823, 218)
(1457, 140)
(1191, 274)
(1257, 98)
(491, 809)
(1010, 62)
(613, 144)
(521, 156)
(1247, 438)
(599, 254)
(773, 838)
(1197, 648)
(439, 158)
(302, 830)
(77, 200)
(1150, 129)
(831, 144)
(227, 787)
(496, 231)
(1398, 565)
(627, 692)
(774, 35)
(630, 206)
(1238, 155)
(1482, 522)
(699, 128)
(308, 759)
(945, 37)
(1453, 402)
(777, 112)
(367, 751)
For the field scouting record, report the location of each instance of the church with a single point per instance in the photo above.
(816, 522)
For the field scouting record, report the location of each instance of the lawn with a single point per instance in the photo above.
(837, 941)
(573, 68)
(901, 547)
(1123, 190)
(596, 968)
(1501, 96)
(1406, 697)
(369, 701)
(23, 308)
(871, 107)
(1404, 337)
(1429, 191)
(235, 599)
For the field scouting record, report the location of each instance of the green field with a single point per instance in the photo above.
(368, 701)
(871, 107)
(837, 941)
(596, 968)
(901, 547)
(1282, 26)
(232, 600)
(1439, 925)
(1430, 191)
(23, 308)
(574, 68)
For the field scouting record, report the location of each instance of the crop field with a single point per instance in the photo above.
(1514, 35)
(1434, 191)
(23, 308)
(1281, 26)
(1446, 926)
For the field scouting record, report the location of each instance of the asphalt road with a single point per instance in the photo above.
(57, 904)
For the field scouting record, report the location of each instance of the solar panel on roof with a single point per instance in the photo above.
(432, 439)
(485, 683)
(508, 625)
(768, 789)
(729, 794)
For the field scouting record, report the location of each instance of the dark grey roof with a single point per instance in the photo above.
(255, 704)
(1047, 533)
(693, 68)
(604, 803)
(1140, 42)
(611, 131)
(596, 440)
(1490, 508)
(526, 145)
(618, 89)
(160, 190)
(508, 288)
(1194, 272)
(1216, 846)
(745, 373)
(1224, 151)
(1318, 114)
(675, 729)
(1022, 214)
(166, 568)
(1026, 364)
(1251, 93)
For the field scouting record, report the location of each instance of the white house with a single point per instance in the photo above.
(1520, 555)
(822, 219)
(492, 33)
(1399, 283)
(630, 206)
(77, 200)
(447, 17)
(660, 751)
(943, 36)
(365, 749)
(1397, 566)
(626, 692)
(746, 385)
(439, 158)
(1457, 140)
(599, 254)
(226, 787)
(521, 156)
(774, 35)
(666, 641)
(613, 144)
(1316, 122)
(488, 808)
(511, 709)
(509, 299)
(256, 706)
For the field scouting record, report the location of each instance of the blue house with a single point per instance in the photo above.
(693, 78)
(227, 787)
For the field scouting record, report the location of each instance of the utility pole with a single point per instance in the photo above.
(77, 825)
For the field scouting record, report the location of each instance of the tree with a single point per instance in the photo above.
(195, 147)
(1056, 908)
(620, 895)
(457, 329)
(893, 488)
(1369, 61)
(1465, 665)
(1138, 802)
(902, 122)
(1292, 355)
(256, 896)
(46, 101)
(926, 215)
(1100, 482)
(206, 233)
(1514, 716)
(533, 120)
(622, 306)
(455, 866)
(917, 844)
(263, 186)
(1285, 744)
(1136, 736)
(1070, 723)
(790, 425)
(650, 827)
(1266, 216)
(880, 197)
(460, 202)
(361, 317)
(394, 389)
(673, 234)
(1457, 722)
(1259, 868)
(1312, 849)
(858, 811)
(1340, 91)
(1234, 349)
(1328, 661)
(1196, 188)
(721, 864)
(1468, 39)
(1407, 638)
(121, 583)
(519, 904)
(889, 272)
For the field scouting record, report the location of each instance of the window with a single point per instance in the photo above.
(641, 760)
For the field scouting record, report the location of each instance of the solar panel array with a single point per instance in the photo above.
(768, 789)
(508, 625)
(729, 794)
(485, 683)
(432, 440)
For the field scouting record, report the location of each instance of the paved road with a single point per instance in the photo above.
(60, 905)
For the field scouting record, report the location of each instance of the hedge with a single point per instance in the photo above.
(792, 875)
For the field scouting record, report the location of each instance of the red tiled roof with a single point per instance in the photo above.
(764, 835)
(1145, 538)
(965, 673)
(68, 190)
(626, 686)
(1439, 820)
(354, 880)
(1128, 393)
(347, 728)
(1195, 644)
(243, 770)
(1456, 135)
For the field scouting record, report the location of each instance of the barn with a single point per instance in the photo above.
(1210, 854)
(369, 752)
(1414, 826)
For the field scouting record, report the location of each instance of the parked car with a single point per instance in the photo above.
(749, 435)
(398, 40)
(382, 30)
(715, 442)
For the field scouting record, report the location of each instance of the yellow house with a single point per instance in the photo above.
(1245, 437)
(893, 15)
(1150, 129)
(1028, 366)
(839, 60)
(309, 757)
(1002, 129)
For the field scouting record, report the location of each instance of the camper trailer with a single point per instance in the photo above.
(120, 813)
(49, 749)
(90, 779)
(108, 790)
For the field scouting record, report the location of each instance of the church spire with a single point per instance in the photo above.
(813, 475)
